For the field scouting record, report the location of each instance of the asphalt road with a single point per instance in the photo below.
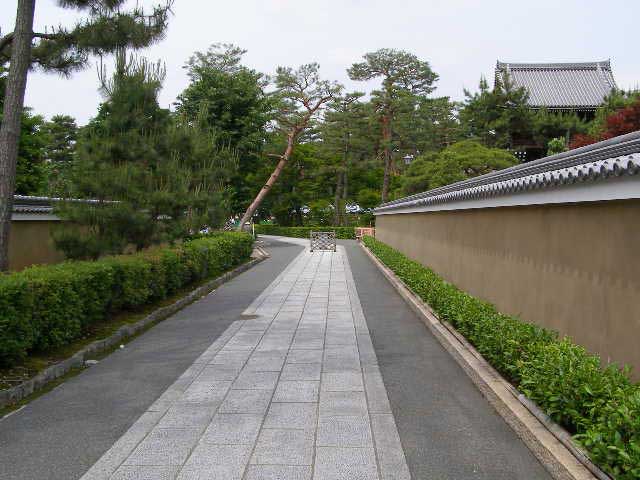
(447, 428)
(61, 434)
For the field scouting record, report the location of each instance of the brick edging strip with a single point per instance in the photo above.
(548, 441)
(17, 393)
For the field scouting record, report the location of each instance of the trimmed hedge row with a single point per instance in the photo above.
(346, 233)
(45, 307)
(600, 406)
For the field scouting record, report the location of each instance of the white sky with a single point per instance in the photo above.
(462, 39)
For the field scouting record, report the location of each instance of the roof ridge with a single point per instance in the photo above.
(603, 64)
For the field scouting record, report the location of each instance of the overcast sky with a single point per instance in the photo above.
(462, 39)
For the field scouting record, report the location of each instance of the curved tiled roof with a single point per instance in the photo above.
(593, 163)
(561, 85)
(33, 205)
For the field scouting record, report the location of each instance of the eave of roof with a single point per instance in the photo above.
(587, 166)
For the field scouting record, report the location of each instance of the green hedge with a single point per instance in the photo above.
(45, 307)
(600, 406)
(347, 233)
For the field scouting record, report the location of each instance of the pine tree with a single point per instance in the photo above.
(151, 178)
(106, 28)
(302, 96)
(231, 99)
(403, 75)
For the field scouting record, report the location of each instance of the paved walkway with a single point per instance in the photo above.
(292, 393)
(291, 378)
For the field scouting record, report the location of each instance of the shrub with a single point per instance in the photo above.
(601, 406)
(345, 233)
(45, 307)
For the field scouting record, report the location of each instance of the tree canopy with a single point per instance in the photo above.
(462, 160)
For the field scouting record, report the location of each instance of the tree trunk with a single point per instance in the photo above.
(338, 200)
(10, 128)
(386, 140)
(291, 141)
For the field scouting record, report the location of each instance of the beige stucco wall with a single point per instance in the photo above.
(30, 243)
(574, 268)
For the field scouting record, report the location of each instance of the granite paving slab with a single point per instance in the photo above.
(292, 393)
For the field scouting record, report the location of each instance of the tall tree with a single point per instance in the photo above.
(402, 74)
(233, 99)
(12, 110)
(107, 27)
(31, 171)
(61, 134)
(152, 181)
(343, 132)
(302, 95)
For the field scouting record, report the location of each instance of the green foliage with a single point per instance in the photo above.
(406, 81)
(458, 162)
(399, 70)
(60, 148)
(347, 233)
(600, 405)
(425, 125)
(49, 306)
(556, 145)
(230, 99)
(62, 133)
(498, 117)
(232, 96)
(501, 117)
(548, 125)
(107, 27)
(31, 171)
(154, 178)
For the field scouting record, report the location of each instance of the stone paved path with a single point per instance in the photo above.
(292, 392)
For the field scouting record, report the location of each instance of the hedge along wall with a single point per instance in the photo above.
(46, 307)
(345, 233)
(600, 406)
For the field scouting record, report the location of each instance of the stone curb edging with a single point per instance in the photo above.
(541, 435)
(17, 393)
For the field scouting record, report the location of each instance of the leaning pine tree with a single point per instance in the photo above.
(107, 27)
(302, 97)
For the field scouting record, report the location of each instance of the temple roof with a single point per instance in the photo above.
(561, 85)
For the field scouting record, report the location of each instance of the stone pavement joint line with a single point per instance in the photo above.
(295, 393)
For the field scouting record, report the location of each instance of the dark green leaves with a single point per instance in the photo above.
(46, 307)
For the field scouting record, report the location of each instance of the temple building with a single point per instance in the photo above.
(578, 88)
(569, 87)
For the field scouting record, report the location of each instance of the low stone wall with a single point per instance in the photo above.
(570, 267)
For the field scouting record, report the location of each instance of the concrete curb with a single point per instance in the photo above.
(17, 393)
(561, 462)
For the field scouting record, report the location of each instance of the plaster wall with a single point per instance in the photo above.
(574, 268)
(30, 243)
